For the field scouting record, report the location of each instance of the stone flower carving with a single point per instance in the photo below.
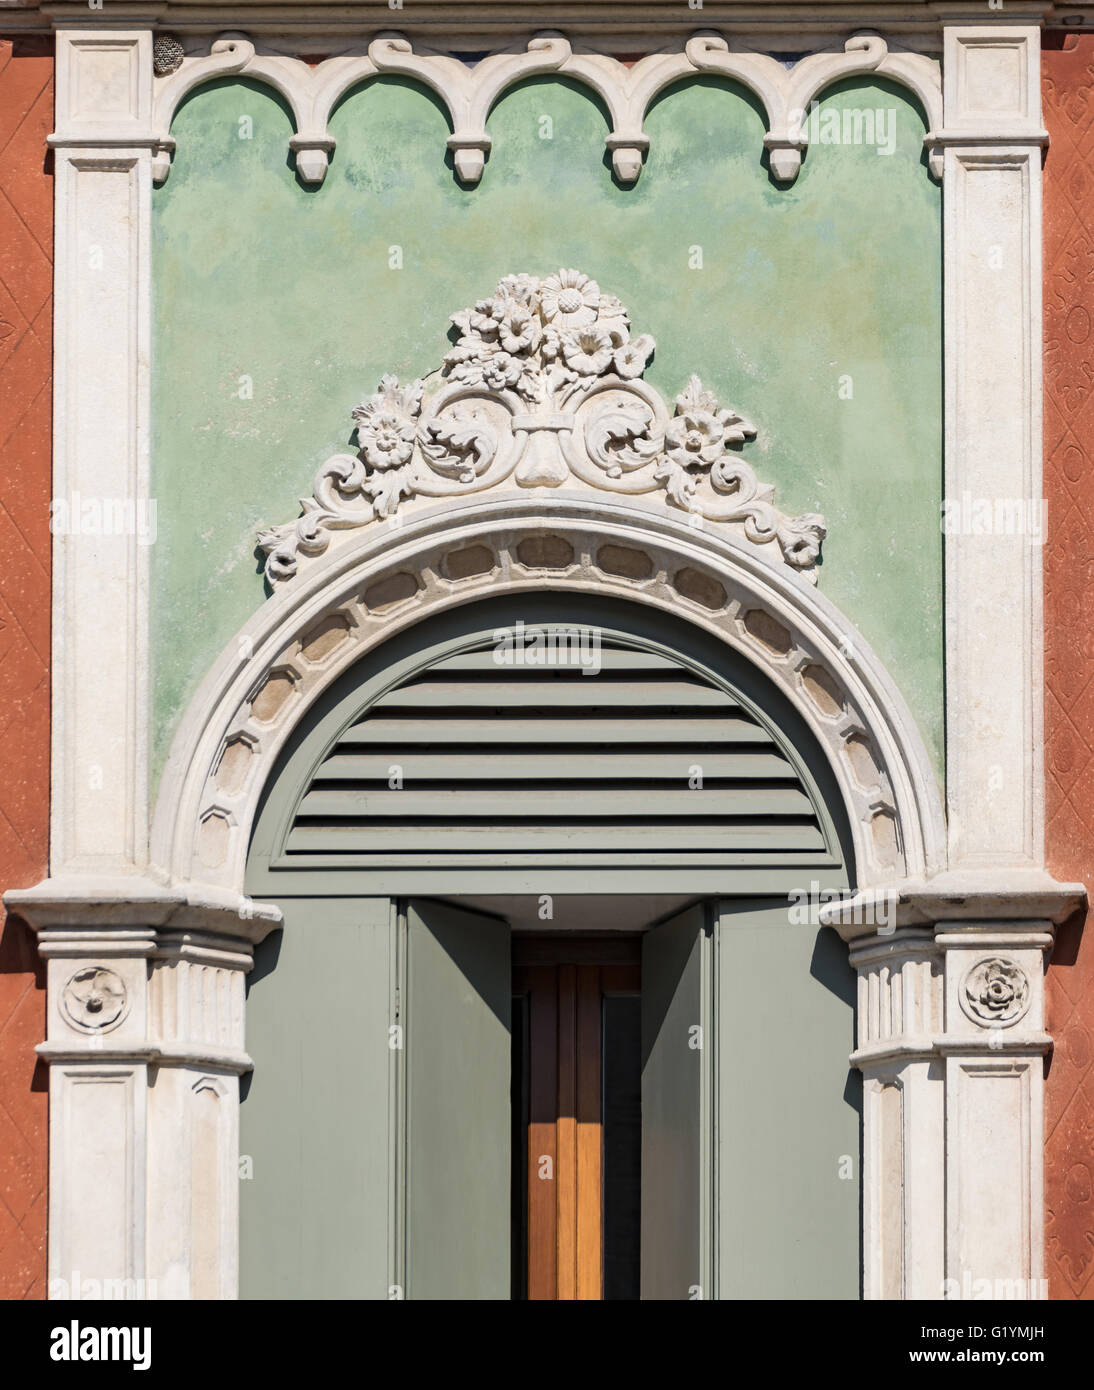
(695, 440)
(569, 299)
(542, 388)
(537, 337)
(587, 350)
(94, 999)
(995, 992)
(387, 426)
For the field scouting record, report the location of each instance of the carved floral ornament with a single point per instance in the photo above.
(995, 992)
(543, 388)
(95, 999)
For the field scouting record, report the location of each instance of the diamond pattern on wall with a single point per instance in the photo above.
(26, 283)
(1068, 87)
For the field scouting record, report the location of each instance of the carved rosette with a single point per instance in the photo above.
(95, 999)
(543, 387)
(995, 992)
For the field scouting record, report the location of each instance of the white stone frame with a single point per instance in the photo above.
(173, 945)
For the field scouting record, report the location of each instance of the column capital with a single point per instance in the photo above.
(991, 84)
(104, 85)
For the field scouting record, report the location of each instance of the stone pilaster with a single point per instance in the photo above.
(951, 1042)
(145, 1045)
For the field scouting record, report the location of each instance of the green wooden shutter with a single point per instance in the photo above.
(677, 1042)
(315, 1193)
(788, 1147)
(457, 1023)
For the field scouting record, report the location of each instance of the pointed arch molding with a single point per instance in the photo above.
(397, 574)
(627, 90)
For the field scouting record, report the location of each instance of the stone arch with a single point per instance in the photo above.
(391, 576)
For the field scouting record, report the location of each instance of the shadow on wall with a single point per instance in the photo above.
(23, 1114)
(266, 956)
(829, 966)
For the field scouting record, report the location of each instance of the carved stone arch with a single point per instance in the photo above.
(392, 576)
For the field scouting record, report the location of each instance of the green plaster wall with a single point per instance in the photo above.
(257, 276)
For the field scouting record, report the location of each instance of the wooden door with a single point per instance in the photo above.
(576, 1117)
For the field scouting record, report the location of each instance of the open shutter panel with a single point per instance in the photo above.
(475, 763)
(457, 1020)
(677, 1041)
(315, 1213)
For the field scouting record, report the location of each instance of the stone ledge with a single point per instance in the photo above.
(621, 24)
(925, 1049)
(1024, 898)
(228, 1060)
(139, 907)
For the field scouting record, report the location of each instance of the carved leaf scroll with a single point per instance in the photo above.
(542, 389)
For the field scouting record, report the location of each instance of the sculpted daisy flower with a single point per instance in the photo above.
(569, 299)
(587, 350)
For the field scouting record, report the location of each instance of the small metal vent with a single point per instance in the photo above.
(644, 763)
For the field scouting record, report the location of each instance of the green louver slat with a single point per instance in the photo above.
(608, 660)
(588, 802)
(545, 729)
(471, 758)
(576, 836)
(565, 691)
(556, 767)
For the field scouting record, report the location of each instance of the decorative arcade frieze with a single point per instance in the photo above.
(469, 92)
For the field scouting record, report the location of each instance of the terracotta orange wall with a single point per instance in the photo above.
(1068, 82)
(26, 303)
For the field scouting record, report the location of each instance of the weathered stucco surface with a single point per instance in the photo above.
(1067, 65)
(26, 321)
(805, 296)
